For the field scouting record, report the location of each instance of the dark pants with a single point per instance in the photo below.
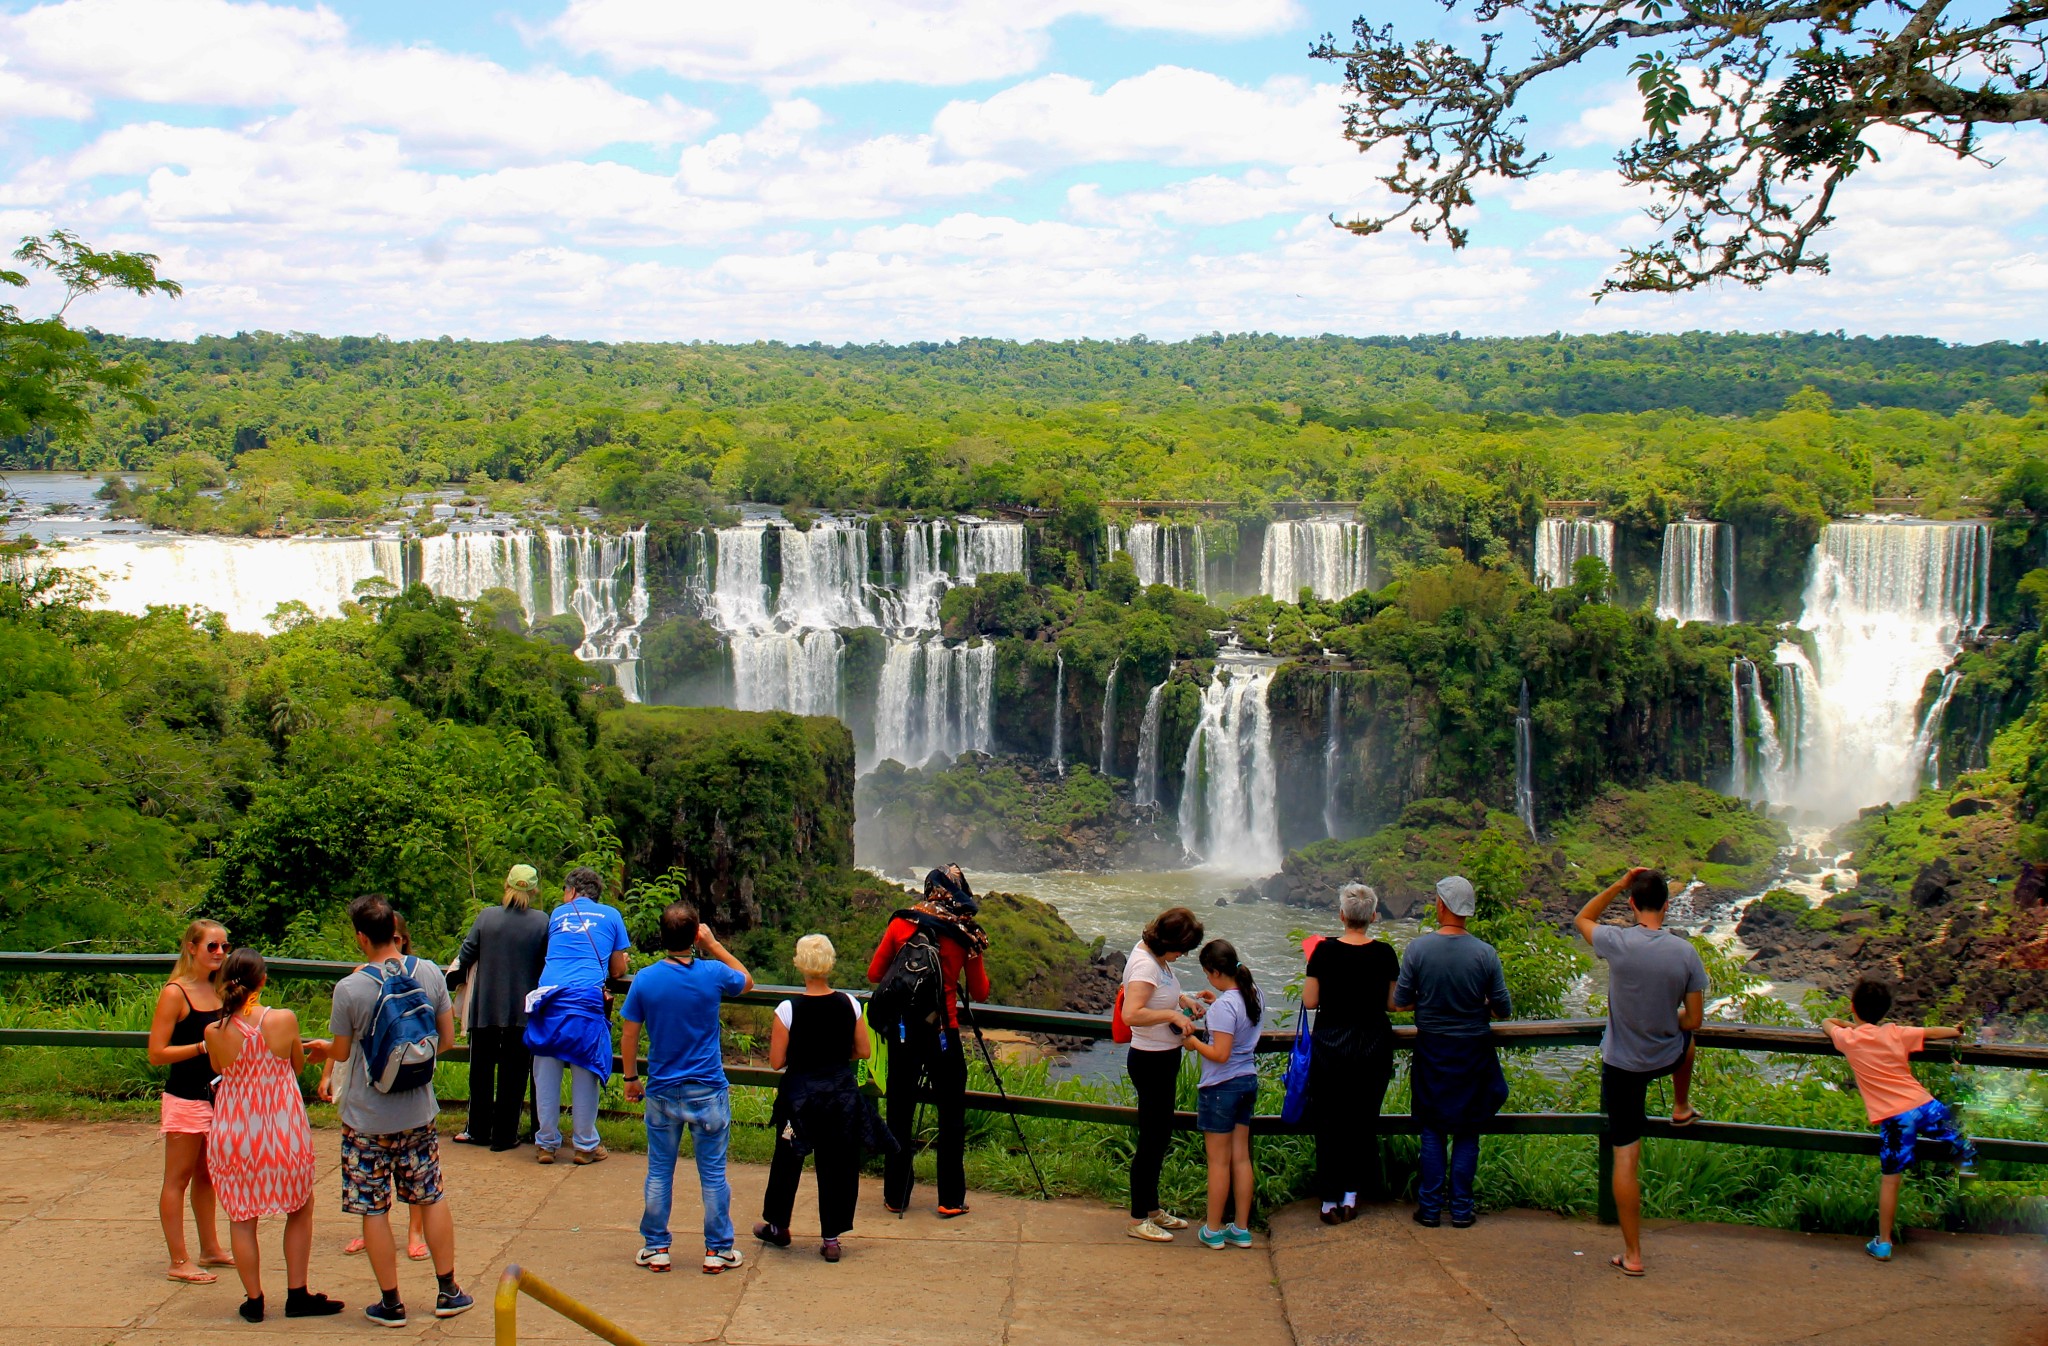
(838, 1165)
(944, 1070)
(1345, 1095)
(500, 1068)
(1464, 1167)
(1156, 1077)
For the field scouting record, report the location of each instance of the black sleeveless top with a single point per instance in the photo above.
(193, 1079)
(820, 1033)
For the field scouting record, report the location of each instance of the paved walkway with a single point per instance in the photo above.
(78, 1231)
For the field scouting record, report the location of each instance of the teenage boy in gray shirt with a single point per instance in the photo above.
(388, 1141)
(1656, 993)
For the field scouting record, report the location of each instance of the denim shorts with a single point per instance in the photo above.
(1222, 1108)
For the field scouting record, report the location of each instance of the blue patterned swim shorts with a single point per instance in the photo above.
(1898, 1138)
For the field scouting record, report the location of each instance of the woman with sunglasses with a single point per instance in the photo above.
(187, 1005)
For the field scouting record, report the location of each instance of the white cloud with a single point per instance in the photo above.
(210, 53)
(799, 43)
(1168, 114)
(23, 96)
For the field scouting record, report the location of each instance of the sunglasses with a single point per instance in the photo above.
(218, 946)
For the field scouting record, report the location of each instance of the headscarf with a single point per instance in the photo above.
(950, 901)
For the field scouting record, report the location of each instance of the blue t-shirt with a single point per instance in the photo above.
(1229, 1015)
(582, 937)
(678, 1002)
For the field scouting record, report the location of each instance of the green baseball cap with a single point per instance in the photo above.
(523, 877)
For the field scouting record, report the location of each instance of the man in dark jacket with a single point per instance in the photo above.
(500, 960)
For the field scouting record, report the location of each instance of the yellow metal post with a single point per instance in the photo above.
(505, 1307)
(516, 1281)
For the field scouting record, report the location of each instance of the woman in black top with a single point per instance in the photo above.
(819, 1108)
(1350, 985)
(501, 959)
(189, 1002)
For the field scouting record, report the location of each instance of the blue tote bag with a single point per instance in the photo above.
(1295, 1109)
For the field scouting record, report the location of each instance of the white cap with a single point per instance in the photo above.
(1456, 894)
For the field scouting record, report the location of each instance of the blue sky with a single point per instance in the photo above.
(870, 170)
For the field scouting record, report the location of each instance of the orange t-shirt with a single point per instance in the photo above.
(1877, 1053)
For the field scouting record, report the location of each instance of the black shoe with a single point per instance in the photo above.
(384, 1317)
(1464, 1221)
(252, 1309)
(310, 1306)
(771, 1234)
(1428, 1219)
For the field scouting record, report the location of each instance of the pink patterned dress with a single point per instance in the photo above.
(260, 1151)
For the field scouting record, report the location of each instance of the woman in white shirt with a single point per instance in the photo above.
(1153, 1005)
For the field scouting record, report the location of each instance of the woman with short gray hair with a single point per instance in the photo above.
(1350, 985)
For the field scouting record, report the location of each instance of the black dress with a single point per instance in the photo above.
(1352, 1063)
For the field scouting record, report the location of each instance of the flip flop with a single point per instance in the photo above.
(221, 1261)
(1691, 1115)
(1622, 1266)
(191, 1277)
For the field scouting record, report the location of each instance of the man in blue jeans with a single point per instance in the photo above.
(678, 1000)
(1454, 982)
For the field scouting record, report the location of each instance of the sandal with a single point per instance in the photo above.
(353, 1246)
(1692, 1115)
(194, 1277)
(220, 1260)
(1619, 1263)
(418, 1252)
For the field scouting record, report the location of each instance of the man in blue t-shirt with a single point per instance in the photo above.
(678, 1000)
(587, 943)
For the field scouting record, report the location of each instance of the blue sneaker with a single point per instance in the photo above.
(384, 1317)
(1879, 1249)
(449, 1303)
(1213, 1238)
(1237, 1236)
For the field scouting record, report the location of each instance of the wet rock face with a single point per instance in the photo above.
(1936, 884)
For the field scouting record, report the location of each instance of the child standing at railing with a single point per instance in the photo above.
(1904, 1113)
(1230, 1088)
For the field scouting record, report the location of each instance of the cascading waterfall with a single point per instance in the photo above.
(1107, 761)
(1332, 558)
(824, 576)
(463, 565)
(797, 671)
(739, 589)
(1332, 759)
(989, 549)
(1738, 741)
(1927, 743)
(1059, 718)
(1561, 542)
(1172, 554)
(935, 701)
(242, 579)
(1696, 581)
(1887, 603)
(1525, 766)
(1762, 775)
(1146, 786)
(1228, 813)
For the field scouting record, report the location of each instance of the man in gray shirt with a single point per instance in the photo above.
(1454, 982)
(388, 1140)
(1656, 995)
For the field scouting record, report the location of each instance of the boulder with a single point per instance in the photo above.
(2030, 889)
(1965, 806)
(1935, 884)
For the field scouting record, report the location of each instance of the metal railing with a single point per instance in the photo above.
(1515, 1034)
(517, 1281)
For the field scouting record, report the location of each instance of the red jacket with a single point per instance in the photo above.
(954, 959)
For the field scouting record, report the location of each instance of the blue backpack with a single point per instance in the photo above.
(404, 1035)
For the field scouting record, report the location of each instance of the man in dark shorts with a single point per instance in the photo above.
(1656, 997)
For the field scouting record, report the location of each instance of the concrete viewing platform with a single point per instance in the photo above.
(79, 1228)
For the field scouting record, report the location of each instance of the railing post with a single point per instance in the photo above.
(505, 1307)
(1608, 1214)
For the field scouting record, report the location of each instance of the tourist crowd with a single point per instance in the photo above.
(539, 991)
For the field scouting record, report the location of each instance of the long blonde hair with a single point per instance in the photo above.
(188, 952)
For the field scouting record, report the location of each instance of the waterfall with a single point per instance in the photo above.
(1059, 706)
(988, 549)
(1792, 726)
(1525, 767)
(1228, 795)
(796, 671)
(242, 579)
(739, 593)
(1330, 557)
(602, 578)
(915, 605)
(1886, 605)
(935, 701)
(1738, 742)
(1561, 542)
(1696, 582)
(1927, 743)
(1147, 784)
(1108, 759)
(1766, 775)
(1172, 554)
(1331, 761)
(824, 576)
(462, 565)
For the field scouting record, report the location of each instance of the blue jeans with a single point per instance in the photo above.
(707, 1110)
(1429, 1194)
(547, 1089)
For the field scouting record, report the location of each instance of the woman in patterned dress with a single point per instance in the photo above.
(260, 1150)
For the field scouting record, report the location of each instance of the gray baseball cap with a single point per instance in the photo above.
(1456, 894)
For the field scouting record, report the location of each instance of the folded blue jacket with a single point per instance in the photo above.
(569, 1024)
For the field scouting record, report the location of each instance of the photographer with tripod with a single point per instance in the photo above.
(928, 951)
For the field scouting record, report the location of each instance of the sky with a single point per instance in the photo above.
(873, 170)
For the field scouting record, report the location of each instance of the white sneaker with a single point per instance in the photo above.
(1166, 1219)
(654, 1259)
(721, 1259)
(1149, 1231)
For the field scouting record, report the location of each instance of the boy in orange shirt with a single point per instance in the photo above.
(1903, 1111)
